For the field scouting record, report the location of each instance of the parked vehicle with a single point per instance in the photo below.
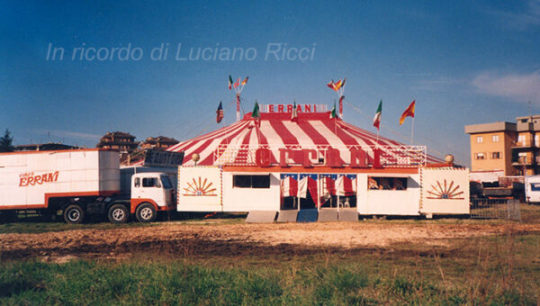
(532, 189)
(78, 183)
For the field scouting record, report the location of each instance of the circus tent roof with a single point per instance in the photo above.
(236, 143)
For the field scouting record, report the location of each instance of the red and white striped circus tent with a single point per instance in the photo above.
(237, 144)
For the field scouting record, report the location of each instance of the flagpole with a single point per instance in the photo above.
(412, 132)
(237, 106)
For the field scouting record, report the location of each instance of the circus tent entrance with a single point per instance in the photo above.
(318, 191)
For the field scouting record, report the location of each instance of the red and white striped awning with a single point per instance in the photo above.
(236, 144)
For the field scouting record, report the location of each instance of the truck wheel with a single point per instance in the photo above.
(74, 214)
(145, 213)
(118, 213)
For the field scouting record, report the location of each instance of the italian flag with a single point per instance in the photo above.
(294, 114)
(230, 82)
(256, 114)
(377, 118)
(333, 113)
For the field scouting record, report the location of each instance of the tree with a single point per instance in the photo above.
(6, 142)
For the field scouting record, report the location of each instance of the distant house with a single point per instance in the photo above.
(121, 141)
(160, 142)
(44, 147)
(505, 147)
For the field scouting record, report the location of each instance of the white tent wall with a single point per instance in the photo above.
(389, 202)
(246, 199)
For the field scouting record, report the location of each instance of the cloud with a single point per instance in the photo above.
(517, 87)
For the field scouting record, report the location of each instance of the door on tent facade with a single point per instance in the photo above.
(308, 190)
(289, 191)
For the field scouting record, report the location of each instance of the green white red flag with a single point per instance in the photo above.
(256, 114)
(377, 118)
(230, 82)
(294, 114)
(333, 113)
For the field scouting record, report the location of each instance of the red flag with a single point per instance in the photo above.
(409, 112)
(341, 105)
(237, 83)
(332, 85)
(219, 113)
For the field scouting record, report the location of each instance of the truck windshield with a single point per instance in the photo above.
(166, 182)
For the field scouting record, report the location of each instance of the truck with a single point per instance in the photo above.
(78, 183)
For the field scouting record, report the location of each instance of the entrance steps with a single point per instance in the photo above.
(261, 216)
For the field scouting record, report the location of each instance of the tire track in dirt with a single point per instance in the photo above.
(181, 240)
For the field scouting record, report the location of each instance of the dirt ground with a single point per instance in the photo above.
(242, 239)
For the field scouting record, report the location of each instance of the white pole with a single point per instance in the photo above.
(412, 132)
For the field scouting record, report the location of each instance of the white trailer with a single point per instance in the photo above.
(80, 182)
(532, 189)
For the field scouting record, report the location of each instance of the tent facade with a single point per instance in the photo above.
(282, 162)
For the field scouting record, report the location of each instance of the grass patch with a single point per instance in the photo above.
(490, 270)
(87, 282)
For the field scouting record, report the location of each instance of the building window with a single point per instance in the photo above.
(251, 181)
(521, 139)
(523, 157)
(387, 183)
(496, 155)
(479, 156)
(537, 140)
(495, 138)
(479, 139)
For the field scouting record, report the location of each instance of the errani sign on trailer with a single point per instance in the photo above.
(288, 108)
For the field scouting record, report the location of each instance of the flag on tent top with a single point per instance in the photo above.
(294, 114)
(333, 113)
(331, 85)
(244, 82)
(377, 118)
(341, 105)
(219, 113)
(256, 114)
(230, 82)
(409, 112)
(337, 85)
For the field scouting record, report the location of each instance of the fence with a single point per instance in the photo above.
(495, 209)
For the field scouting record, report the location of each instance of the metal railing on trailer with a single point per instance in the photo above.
(495, 209)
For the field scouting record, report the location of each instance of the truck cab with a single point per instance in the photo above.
(151, 192)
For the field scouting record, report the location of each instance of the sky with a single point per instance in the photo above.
(70, 71)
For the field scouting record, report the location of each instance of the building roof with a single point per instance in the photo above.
(490, 127)
(277, 131)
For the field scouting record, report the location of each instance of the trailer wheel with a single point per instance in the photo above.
(74, 214)
(145, 213)
(118, 213)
